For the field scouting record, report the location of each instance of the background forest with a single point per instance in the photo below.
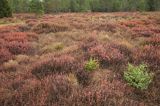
(50, 6)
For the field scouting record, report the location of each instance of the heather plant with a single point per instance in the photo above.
(5, 55)
(91, 65)
(58, 90)
(107, 55)
(6, 29)
(88, 43)
(62, 64)
(109, 27)
(47, 27)
(11, 65)
(19, 47)
(149, 55)
(84, 77)
(154, 41)
(138, 76)
(142, 32)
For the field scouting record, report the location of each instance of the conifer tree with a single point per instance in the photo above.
(5, 10)
(36, 6)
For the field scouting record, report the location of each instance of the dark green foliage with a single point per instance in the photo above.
(84, 5)
(20, 6)
(5, 10)
(36, 6)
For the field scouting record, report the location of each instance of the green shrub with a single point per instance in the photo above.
(91, 65)
(138, 76)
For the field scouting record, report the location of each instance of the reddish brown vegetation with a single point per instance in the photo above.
(49, 27)
(142, 28)
(110, 54)
(142, 31)
(5, 55)
(15, 42)
(29, 78)
(6, 29)
(154, 41)
(109, 27)
(149, 55)
(52, 65)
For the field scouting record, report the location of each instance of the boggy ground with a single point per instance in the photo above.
(42, 59)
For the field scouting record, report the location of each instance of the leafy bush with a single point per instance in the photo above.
(91, 65)
(138, 76)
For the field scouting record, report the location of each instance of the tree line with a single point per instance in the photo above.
(87, 5)
(51, 6)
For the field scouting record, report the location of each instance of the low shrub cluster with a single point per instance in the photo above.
(6, 29)
(58, 90)
(19, 48)
(107, 55)
(109, 27)
(5, 55)
(49, 27)
(13, 42)
(149, 55)
(142, 32)
(62, 64)
(84, 77)
(89, 42)
(31, 22)
(154, 41)
(141, 28)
